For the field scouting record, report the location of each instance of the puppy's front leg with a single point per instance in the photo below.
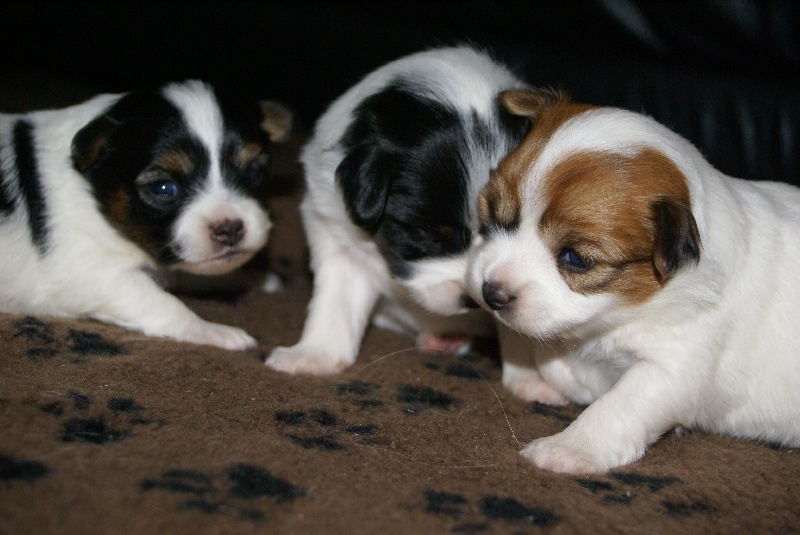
(343, 299)
(520, 374)
(615, 430)
(135, 301)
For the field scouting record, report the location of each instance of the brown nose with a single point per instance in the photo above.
(496, 296)
(229, 232)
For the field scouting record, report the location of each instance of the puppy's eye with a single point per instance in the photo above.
(164, 189)
(255, 170)
(573, 261)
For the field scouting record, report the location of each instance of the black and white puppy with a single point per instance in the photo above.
(96, 197)
(393, 172)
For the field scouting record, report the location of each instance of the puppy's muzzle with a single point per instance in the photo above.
(496, 296)
(228, 232)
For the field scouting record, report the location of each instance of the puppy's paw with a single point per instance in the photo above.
(300, 359)
(559, 453)
(223, 336)
(457, 344)
(527, 384)
(535, 389)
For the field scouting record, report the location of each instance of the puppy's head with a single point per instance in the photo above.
(411, 171)
(181, 173)
(584, 218)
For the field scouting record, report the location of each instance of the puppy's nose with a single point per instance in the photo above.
(228, 232)
(496, 296)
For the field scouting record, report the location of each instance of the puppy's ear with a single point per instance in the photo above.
(278, 120)
(90, 142)
(677, 240)
(530, 102)
(364, 177)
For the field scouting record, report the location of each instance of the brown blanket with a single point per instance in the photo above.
(103, 430)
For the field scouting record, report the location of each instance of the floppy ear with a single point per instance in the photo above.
(677, 240)
(529, 102)
(90, 142)
(364, 177)
(277, 121)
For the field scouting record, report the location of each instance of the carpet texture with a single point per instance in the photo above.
(103, 430)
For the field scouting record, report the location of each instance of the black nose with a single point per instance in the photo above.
(229, 232)
(495, 296)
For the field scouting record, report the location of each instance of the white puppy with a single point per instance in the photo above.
(640, 280)
(393, 173)
(95, 197)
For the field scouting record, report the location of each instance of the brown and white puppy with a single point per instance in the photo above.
(632, 276)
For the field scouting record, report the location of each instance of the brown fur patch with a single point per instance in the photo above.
(602, 206)
(499, 202)
(175, 162)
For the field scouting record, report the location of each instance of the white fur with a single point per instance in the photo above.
(350, 274)
(716, 348)
(88, 269)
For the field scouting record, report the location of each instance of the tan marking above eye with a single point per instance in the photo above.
(175, 161)
(601, 204)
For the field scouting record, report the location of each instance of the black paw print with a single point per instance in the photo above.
(636, 485)
(44, 343)
(303, 428)
(92, 424)
(21, 470)
(230, 494)
(361, 393)
(491, 508)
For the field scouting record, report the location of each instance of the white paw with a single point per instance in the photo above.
(534, 388)
(299, 359)
(558, 453)
(526, 383)
(223, 336)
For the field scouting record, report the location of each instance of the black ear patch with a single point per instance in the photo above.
(677, 240)
(364, 177)
(89, 143)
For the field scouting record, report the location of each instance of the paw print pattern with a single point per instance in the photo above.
(234, 493)
(322, 430)
(480, 515)
(361, 393)
(93, 425)
(44, 342)
(638, 486)
(20, 470)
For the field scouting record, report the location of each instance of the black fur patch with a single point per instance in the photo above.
(405, 174)
(30, 183)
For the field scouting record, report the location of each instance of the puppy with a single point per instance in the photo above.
(634, 277)
(96, 197)
(393, 172)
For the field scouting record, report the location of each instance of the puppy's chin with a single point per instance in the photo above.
(215, 265)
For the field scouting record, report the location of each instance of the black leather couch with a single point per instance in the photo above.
(721, 72)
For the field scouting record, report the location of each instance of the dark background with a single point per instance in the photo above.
(720, 72)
